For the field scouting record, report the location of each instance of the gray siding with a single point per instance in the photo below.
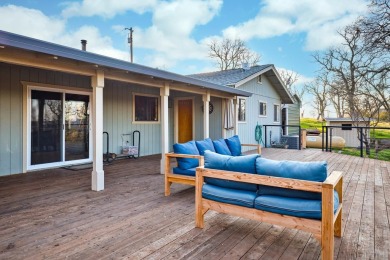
(118, 113)
(293, 117)
(261, 92)
(11, 108)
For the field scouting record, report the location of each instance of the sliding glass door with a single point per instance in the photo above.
(59, 128)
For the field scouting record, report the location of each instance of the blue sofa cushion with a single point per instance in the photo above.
(310, 171)
(304, 208)
(234, 145)
(188, 172)
(221, 147)
(204, 145)
(186, 148)
(231, 196)
(244, 164)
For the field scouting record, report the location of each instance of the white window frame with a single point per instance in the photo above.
(277, 113)
(158, 108)
(238, 110)
(27, 88)
(265, 115)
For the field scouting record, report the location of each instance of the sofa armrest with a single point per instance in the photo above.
(258, 147)
(169, 156)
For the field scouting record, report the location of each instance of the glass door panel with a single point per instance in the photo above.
(76, 127)
(46, 127)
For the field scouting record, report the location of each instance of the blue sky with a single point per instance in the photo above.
(173, 35)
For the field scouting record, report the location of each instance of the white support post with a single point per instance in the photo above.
(206, 115)
(235, 116)
(97, 131)
(224, 131)
(164, 94)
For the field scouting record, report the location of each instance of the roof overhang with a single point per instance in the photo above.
(22, 50)
(274, 77)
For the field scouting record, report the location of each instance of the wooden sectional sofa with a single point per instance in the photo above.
(298, 195)
(190, 155)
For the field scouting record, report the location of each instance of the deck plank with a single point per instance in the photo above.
(54, 214)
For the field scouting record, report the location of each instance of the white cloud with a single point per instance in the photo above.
(35, 24)
(319, 19)
(30, 22)
(105, 8)
(170, 35)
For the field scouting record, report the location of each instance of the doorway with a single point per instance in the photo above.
(58, 128)
(185, 120)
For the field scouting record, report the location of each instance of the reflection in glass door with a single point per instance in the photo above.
(46, 127)
(76, 127)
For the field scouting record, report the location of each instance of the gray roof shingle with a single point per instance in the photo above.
(229, 77)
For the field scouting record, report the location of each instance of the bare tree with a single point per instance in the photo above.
(319, 88)
(289, 79)
(375, 27)
(232, 54)
(350, 64)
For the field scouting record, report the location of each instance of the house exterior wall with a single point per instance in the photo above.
(264, 92)
(117, 112)
(11, 108)
(293, 111)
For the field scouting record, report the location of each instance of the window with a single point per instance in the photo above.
(241, 109)
(346, 126)
(276, 113)
(262, 108)
(259, 79)
(145, 108)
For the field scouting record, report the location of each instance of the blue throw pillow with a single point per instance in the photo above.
(204, 145)
(186, 148)
(234, 145)
(245, 164)
(310, 171)
(221, 147)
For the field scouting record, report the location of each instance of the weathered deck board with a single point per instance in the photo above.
(53, 214)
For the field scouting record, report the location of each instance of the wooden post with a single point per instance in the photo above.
(206, 115)
(164, 94)
(167, 171)
(199, 216)
(327, 227)
(97, 131)
(338, 232)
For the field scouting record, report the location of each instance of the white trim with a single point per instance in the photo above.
(258, 108)
(254, 76)
(176, 117)
(278, 113)
(158, 107)
(238, 107)
(27, 88)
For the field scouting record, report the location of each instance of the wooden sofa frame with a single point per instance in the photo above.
(171, 177)
(323, 230)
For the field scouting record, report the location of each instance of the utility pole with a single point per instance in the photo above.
(130, 41)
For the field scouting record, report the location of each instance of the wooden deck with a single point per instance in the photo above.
(53, 214)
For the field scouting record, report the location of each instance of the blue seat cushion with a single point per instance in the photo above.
(188, 172)
(221, 147)
(204, 145)
(186, 148)
(231, 196)
(310, 171)
(304, 208)
(234, 145)
(244, 164)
